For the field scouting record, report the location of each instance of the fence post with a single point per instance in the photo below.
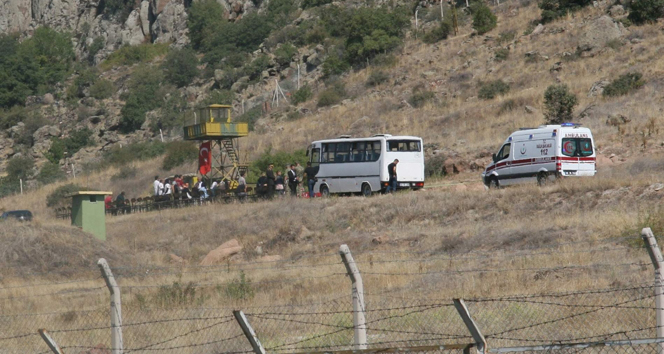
(480, 342)
(359, 319)
(50, 341)
(116, 306)
(249, 332)
(658, 263)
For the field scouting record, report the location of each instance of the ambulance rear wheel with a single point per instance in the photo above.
(493, 183)
(542, 179)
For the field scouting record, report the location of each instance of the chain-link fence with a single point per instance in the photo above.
(190, 310)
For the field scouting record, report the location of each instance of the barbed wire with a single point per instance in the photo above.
(65, 292)
(184, 335)
(260, 282)
(501, 270)
(50, 283)
(560, 319)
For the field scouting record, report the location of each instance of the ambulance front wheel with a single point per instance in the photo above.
(493, 183)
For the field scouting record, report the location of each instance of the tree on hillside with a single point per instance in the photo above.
(180, 67)
(554, 9)
(34, 66)
(143, 96)
(645, 11)
(483, 19)
(559, 104)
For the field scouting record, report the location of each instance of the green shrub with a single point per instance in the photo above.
(334, 65)
(491, 89)
(95, 47)
(371, 31)
(314, 3)
(76, 140)
(506, 36)
(284, 54)
(33, 66)
(332, 95)
(508, 106)
(61, 194)
(559, 104)
(20, 168)
(435, 166)
(126, 172)
(376, 78)
(251, 117)
(280, 159)
(180, 67)
(50, 173)
(438, 34)
(178, 153)
(502, 54)
(176, 295)
(302, 95)
(255, 69)
(85, 79)
(122, 8)
(554, 9)
(102, 89)
(420, 97)
(142, 97)
(219, 97)
(142, 151)
(11, 117)
(645, 11)
(203, 17)
(33, 121)
(171, 112)
(130, 55)
(240, 288)
(384, 60)
(483, 19)
(624, 84)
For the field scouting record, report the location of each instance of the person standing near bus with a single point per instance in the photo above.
(392, 171)
(311, 173)
(293, 180)
(271, 181)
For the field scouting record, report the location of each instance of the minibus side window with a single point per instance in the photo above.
(315, 157)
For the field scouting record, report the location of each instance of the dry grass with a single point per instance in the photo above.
(513, 241)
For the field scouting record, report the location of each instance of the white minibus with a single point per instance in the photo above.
(351, 165)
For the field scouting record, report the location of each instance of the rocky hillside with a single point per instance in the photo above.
(87, 79)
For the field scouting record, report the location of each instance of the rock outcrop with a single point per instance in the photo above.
(598, 33)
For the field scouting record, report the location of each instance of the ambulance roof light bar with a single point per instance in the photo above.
(570, 125)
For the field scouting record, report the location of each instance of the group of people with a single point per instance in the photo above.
(176, 185)
(272, 183)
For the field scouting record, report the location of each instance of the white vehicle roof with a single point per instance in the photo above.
(548, 129)
(375, 137)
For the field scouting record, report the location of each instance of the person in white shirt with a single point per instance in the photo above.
(213, 188)
(167, 188)
(155, 184)
(160, 190)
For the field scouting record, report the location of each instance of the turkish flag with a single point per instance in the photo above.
(204, 159)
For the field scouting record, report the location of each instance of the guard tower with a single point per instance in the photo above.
(213, 124)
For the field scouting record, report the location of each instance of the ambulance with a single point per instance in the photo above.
(542, 154)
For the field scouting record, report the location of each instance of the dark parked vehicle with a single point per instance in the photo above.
(21, 215)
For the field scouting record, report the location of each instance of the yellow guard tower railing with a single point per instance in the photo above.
(214, 122)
